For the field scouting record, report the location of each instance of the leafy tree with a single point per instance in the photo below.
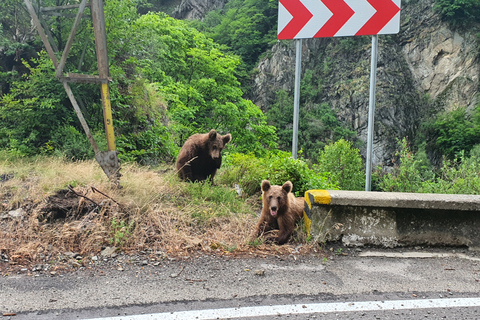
(198, 83)
(32, 109)
(16, 41)
(247, 27)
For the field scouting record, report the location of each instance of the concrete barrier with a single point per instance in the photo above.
(392, 219)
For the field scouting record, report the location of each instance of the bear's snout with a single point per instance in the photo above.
(273, 210)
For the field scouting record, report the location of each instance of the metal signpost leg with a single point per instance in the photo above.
(298, 68)
(371, 113)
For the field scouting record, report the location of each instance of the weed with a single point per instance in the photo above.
(120, 232)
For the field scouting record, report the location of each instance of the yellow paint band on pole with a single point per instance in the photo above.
(107, 116)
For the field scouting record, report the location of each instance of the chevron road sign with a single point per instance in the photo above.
(304, 19)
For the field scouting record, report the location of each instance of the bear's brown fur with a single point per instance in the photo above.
(281, 210)
(201, 156)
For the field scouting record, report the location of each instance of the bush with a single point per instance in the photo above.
(451, 133)
(414, 174)
(460, 176)
(72, 144)
(406, 176)
(460, 13)
(248, 172)
(343, 164)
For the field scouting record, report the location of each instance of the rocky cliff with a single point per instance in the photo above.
(425, 68)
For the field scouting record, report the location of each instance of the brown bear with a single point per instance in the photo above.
(281, 210)
(201, 156)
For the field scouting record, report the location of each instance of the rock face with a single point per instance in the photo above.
(425, 68)
(196, 9)
(444, 63)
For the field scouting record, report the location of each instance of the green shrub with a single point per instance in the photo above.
(72, 144)
(451, 133)
(458, 176)
(460, 13)
(278, 167)
(406, 176)
(343, 164)
(414, 174)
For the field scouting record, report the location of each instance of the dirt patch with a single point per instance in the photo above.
(65, 204)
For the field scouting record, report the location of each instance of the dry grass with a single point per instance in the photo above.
(72, 207)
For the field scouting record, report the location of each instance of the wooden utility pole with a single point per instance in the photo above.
(108, 160)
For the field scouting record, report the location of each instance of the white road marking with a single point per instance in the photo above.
(244, 312)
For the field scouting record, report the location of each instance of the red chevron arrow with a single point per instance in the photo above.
(386, 10)
(301, 16)
(341, 14)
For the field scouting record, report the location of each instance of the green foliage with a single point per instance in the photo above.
(33, 109)
(247, 27)
(460, 13)
(72, 144)
(248, 171)
(458, 176)
(169, 82)
(344, 165)
(406, 176)
(452, 132)
(120, 231)
(414, 174)
(318, 123)
(198, 83)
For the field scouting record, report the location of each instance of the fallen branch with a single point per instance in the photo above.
(96, 190)
(81, 195)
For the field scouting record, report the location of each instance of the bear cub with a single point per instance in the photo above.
(281, 210)
(201, 156)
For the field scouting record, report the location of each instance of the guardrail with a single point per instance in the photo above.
(391, 219)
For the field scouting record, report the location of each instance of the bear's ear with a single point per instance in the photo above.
(226, 138)
(265, 185)
(287, 186)
(212, 135)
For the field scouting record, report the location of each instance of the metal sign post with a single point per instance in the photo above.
(296, 104)
(371, 113)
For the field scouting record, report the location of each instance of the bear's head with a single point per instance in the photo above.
(275, 198)
(216, 143)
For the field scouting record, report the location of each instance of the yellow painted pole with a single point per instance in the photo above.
(107, 116)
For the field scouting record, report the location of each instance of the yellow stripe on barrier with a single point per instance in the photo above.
(320, 196)
(311, 197)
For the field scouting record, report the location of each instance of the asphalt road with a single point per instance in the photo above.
(349, 276)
